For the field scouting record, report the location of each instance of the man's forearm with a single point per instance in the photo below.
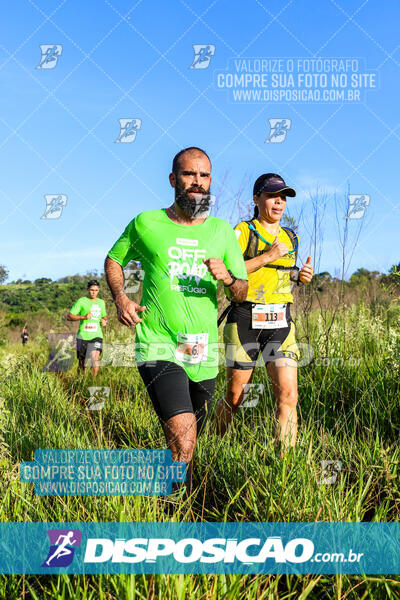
(114, 277)
(239, 290)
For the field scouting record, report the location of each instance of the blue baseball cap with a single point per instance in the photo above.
(272, 183)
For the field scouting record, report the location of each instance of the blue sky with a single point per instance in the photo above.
(126, 60)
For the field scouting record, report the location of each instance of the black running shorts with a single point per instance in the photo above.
(84, 348)
(172, 392)
(244, 344)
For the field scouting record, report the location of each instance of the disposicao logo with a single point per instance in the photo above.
(62, 547)
(190, 550)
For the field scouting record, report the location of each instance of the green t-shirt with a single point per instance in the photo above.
(89, 328)
(180, 295)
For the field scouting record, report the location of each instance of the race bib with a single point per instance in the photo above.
(192, 348)
(268, 316)
(90, 327)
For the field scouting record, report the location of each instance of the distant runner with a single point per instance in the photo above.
(184, 253)
(262, 324)
(91, 312)
(25, 336)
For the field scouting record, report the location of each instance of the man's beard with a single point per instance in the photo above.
(194, 206)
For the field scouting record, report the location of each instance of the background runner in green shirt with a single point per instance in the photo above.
(184, 252)
(91, 312)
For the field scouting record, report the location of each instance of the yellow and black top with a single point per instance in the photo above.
(268, 285)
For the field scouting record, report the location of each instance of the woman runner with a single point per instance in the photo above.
(262, 324)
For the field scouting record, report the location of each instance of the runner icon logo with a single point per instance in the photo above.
(358, 204)
(63, 543)
(252, 393)
(98, 397)
(330, 470)
(278, 129)
(128, 130)
(132, 279)
(202, 56)
(54, 206)
(50, 55)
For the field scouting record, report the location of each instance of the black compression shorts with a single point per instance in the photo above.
(84, 348)
(172, 392)
(243, 344)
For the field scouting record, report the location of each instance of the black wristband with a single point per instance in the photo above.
(233, 279)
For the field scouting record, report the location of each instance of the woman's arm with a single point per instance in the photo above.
(276, 250)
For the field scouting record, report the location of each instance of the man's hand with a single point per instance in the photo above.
(88, 316)
(218, 270)
(275, 251)
(104, 321)
(306, 272)
(127, 310)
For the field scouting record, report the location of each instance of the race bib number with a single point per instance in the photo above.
(268, 316)
(90, 327)
(192, 348)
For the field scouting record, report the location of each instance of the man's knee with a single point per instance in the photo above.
(185, 454)
(183, 448)
(180, 432)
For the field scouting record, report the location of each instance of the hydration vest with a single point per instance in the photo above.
(253, 243)
(252, 251)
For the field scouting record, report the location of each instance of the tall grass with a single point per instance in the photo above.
(349, 411)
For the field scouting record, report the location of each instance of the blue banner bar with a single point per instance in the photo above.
(242, 548)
